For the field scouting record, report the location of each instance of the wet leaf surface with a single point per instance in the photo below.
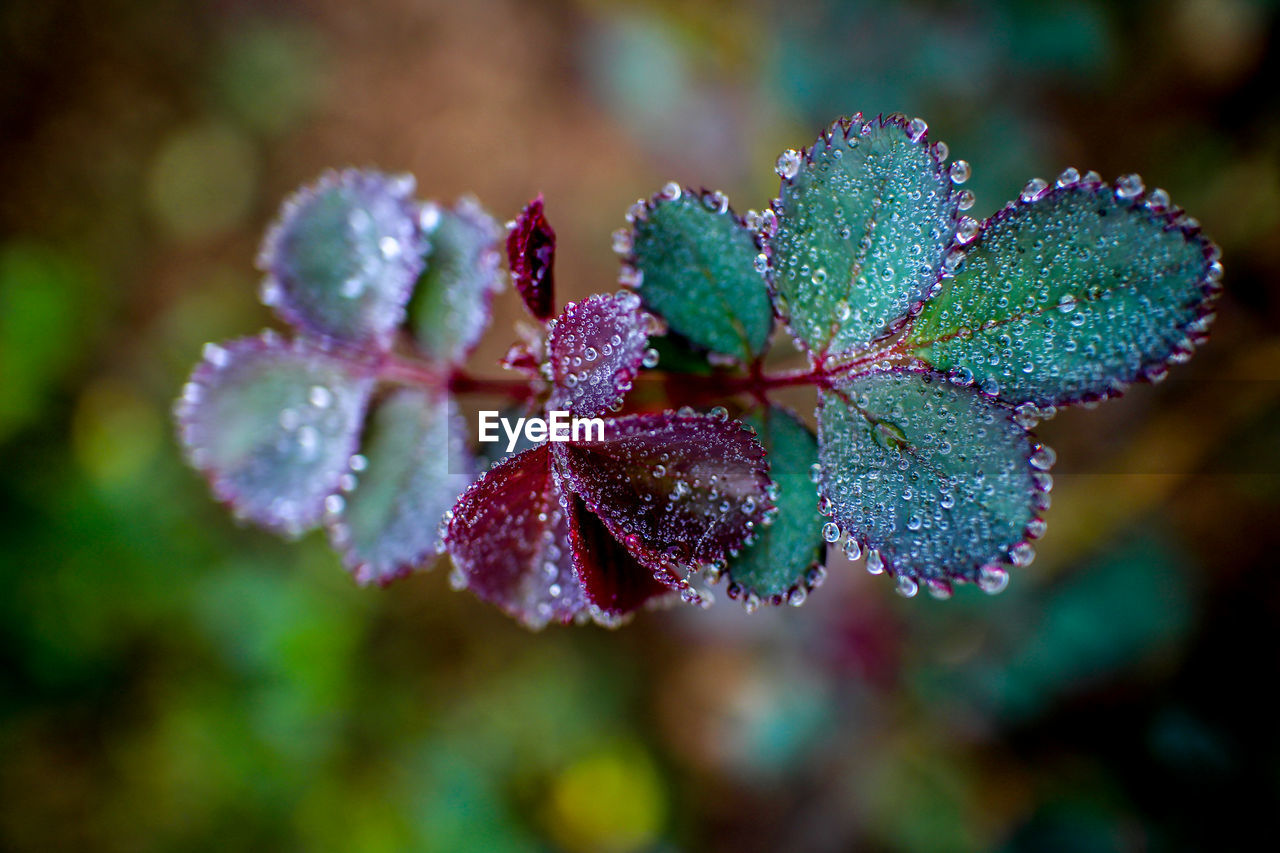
(272, 425)
(1071, 296)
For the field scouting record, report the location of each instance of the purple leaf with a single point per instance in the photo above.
(412, 466)
(272, 425)
(342, 260)
(596, 348)
(676, 489)
(613, 583)
(509, 540)
(531, 252)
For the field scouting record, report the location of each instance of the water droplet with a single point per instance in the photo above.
(906, 586)
(622, 241)
(992, 579)
(831, 531)
(320, 396)
(1129, 187)
(1034, 190)
(788, 165)
(960, 172)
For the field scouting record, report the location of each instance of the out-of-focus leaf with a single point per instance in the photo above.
(596, 348)
(675, 489)
(451, 305)
(698, 266)
(273, 427)
(531, 253)
(774, 567)
(342, 260)
(413, 464)
(936, 478)
(509, 540)
(863, 221)
(1072, 293)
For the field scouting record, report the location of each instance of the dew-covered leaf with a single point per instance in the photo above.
(612, 582)
(697, 265)
(863, 221)
(1072, 295)
(531, 253)
(676, 489)
(596, 348)
(342, 260)
(272, 425)
(450, 308)
(938, 479)
(413, 465)
(778, 565)
(509, 540)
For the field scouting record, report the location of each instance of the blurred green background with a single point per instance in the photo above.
(169, 681)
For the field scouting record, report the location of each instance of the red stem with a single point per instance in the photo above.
(679, 388)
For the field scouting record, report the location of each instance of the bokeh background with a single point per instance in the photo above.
(169, 681)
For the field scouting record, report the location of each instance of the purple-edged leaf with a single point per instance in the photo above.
(272, 425)
(677, 490)
(413, 464)
(939, 480)
(596, 348)
(1072, 293)
(780, 564)
(531, 252)
(864, 219)
(613, 583)
(697, 265)
(342, 260)
(509, 539)
(451, 305)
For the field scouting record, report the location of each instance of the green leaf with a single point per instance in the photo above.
(777, 566)
(414, 463)
(677, 355)
(862, 225)
(697, 261)
(1072, 295)
(451, 307)
(273, 426)
(938, 479)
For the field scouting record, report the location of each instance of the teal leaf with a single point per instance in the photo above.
(273, 426)
(342, 260)
(1071, 293)
(452, 304)
(696, 265)
(414, 462)
(938, 481)
(783, 563)
(859, 232)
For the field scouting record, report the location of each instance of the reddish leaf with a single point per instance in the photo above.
(675, 489)
(611, 579)
(508, 536)
(596, 348)
(531, 251)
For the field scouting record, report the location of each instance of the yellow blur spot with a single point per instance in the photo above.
(609, 800)
(115, 432)
(202, 181)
